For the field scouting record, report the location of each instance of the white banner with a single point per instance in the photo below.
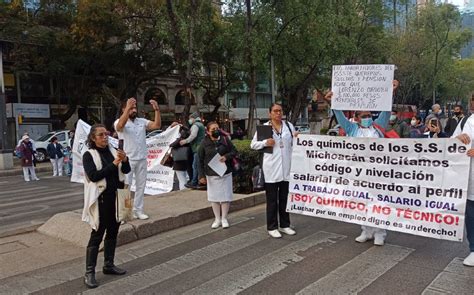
(159, 178)
(362, 87)
(406, 185)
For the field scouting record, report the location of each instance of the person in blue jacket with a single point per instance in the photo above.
(55, 153)
(365, 126)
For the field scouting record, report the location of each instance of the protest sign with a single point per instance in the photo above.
(362, 87)
(159, 178)
(406, 185)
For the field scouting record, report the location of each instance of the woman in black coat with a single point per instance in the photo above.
(219, 188)
(182, 155)
(103, 169)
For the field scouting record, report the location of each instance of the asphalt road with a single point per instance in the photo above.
(322, 258)
(26, 205)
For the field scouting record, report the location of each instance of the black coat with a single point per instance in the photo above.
(52, 152)
(208, 149)
(185, 164)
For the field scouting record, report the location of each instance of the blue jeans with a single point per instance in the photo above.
(195, 169)
(470, 224)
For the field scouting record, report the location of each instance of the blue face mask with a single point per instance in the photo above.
(366, 122)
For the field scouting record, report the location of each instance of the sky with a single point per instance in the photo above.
(459, 3)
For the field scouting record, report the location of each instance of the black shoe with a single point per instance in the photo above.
(201, 187)
(113, 270)
(91, 261)
(191, 186)
(109, 255)
(89, 280)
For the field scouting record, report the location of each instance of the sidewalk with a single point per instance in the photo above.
(66, 234)
(18, 170)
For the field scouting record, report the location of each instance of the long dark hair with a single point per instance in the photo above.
(89, 141)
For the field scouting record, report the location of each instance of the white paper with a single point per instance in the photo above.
(362, 87)
(218, 166)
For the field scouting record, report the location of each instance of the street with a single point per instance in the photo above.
(26, 205)
(322, 258)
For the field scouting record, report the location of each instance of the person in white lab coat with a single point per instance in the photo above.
(276, 170)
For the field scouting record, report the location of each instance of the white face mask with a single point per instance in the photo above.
(413, 122)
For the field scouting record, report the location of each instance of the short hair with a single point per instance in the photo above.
(274, 104)
(459, 106)
(435, 106)
(208, 125)
(53, 139)
(417, 117)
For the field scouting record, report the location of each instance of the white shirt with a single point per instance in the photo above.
(134, 138)
(469, 130)
(276, 166)
(368, 132)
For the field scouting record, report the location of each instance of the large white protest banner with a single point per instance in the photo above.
(362, 87)
(159, 178)
(406, 185)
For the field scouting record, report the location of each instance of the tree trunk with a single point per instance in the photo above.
(252, 74)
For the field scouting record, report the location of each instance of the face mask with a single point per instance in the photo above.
(215, 133)
(190, 121)
(413, 122)
(457, 114)
(393, 117)
(366, 122)
(439, 112)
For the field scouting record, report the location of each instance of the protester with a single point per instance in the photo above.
(182, 156)
(55, 154)
(104, 169)
(219, 188)
(453, 122)
(69, 149)
(366, 127)
(198, 131)
(417, 128)
(433, 129)
(133, 132)
(27, 157)
(437, 113)
(465, 135)
(33, 144)
(276, 170)
(399, 126)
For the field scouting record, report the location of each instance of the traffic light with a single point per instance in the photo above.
(20, 119)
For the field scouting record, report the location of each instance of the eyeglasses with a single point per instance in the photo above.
(102, 134)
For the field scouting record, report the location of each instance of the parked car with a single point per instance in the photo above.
(303, 129)
(334, 131)
(153, 133)
(42, 143)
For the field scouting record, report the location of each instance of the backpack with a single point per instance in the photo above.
(18, 152)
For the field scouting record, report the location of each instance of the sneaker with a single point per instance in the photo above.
(225, 223)
(201, 187)
(379, 241)
(274, 234)
(27, 180)
(469, 260)
(139, 215)
(288, 230)
(363, 238)
(37, 179)
(216, 224)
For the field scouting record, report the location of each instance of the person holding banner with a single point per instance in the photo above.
(133, 132)
(219, 186)
(276, 170)
(105, 170)
(465, 134)
(364, 126)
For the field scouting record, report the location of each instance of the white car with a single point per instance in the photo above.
(42, 143)
(303, 129)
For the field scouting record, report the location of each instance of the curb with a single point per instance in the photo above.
(19, 171)
(67, 226)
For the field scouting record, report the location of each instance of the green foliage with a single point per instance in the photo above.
(250, 158)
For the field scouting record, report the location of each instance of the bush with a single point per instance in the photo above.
(250, 158)
(324, 131)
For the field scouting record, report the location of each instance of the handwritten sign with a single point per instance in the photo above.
(362, 87)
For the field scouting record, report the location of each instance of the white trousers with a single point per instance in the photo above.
(182, 178)
(27, 171)
(57, 166)
(374, 232)
(139, 171)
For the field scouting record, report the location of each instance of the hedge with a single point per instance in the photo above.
(250, 158)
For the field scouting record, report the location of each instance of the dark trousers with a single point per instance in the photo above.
(277, 197)
(469, 220)
(107, 222)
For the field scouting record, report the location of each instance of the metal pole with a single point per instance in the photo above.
(3, 111)
(272, 86)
